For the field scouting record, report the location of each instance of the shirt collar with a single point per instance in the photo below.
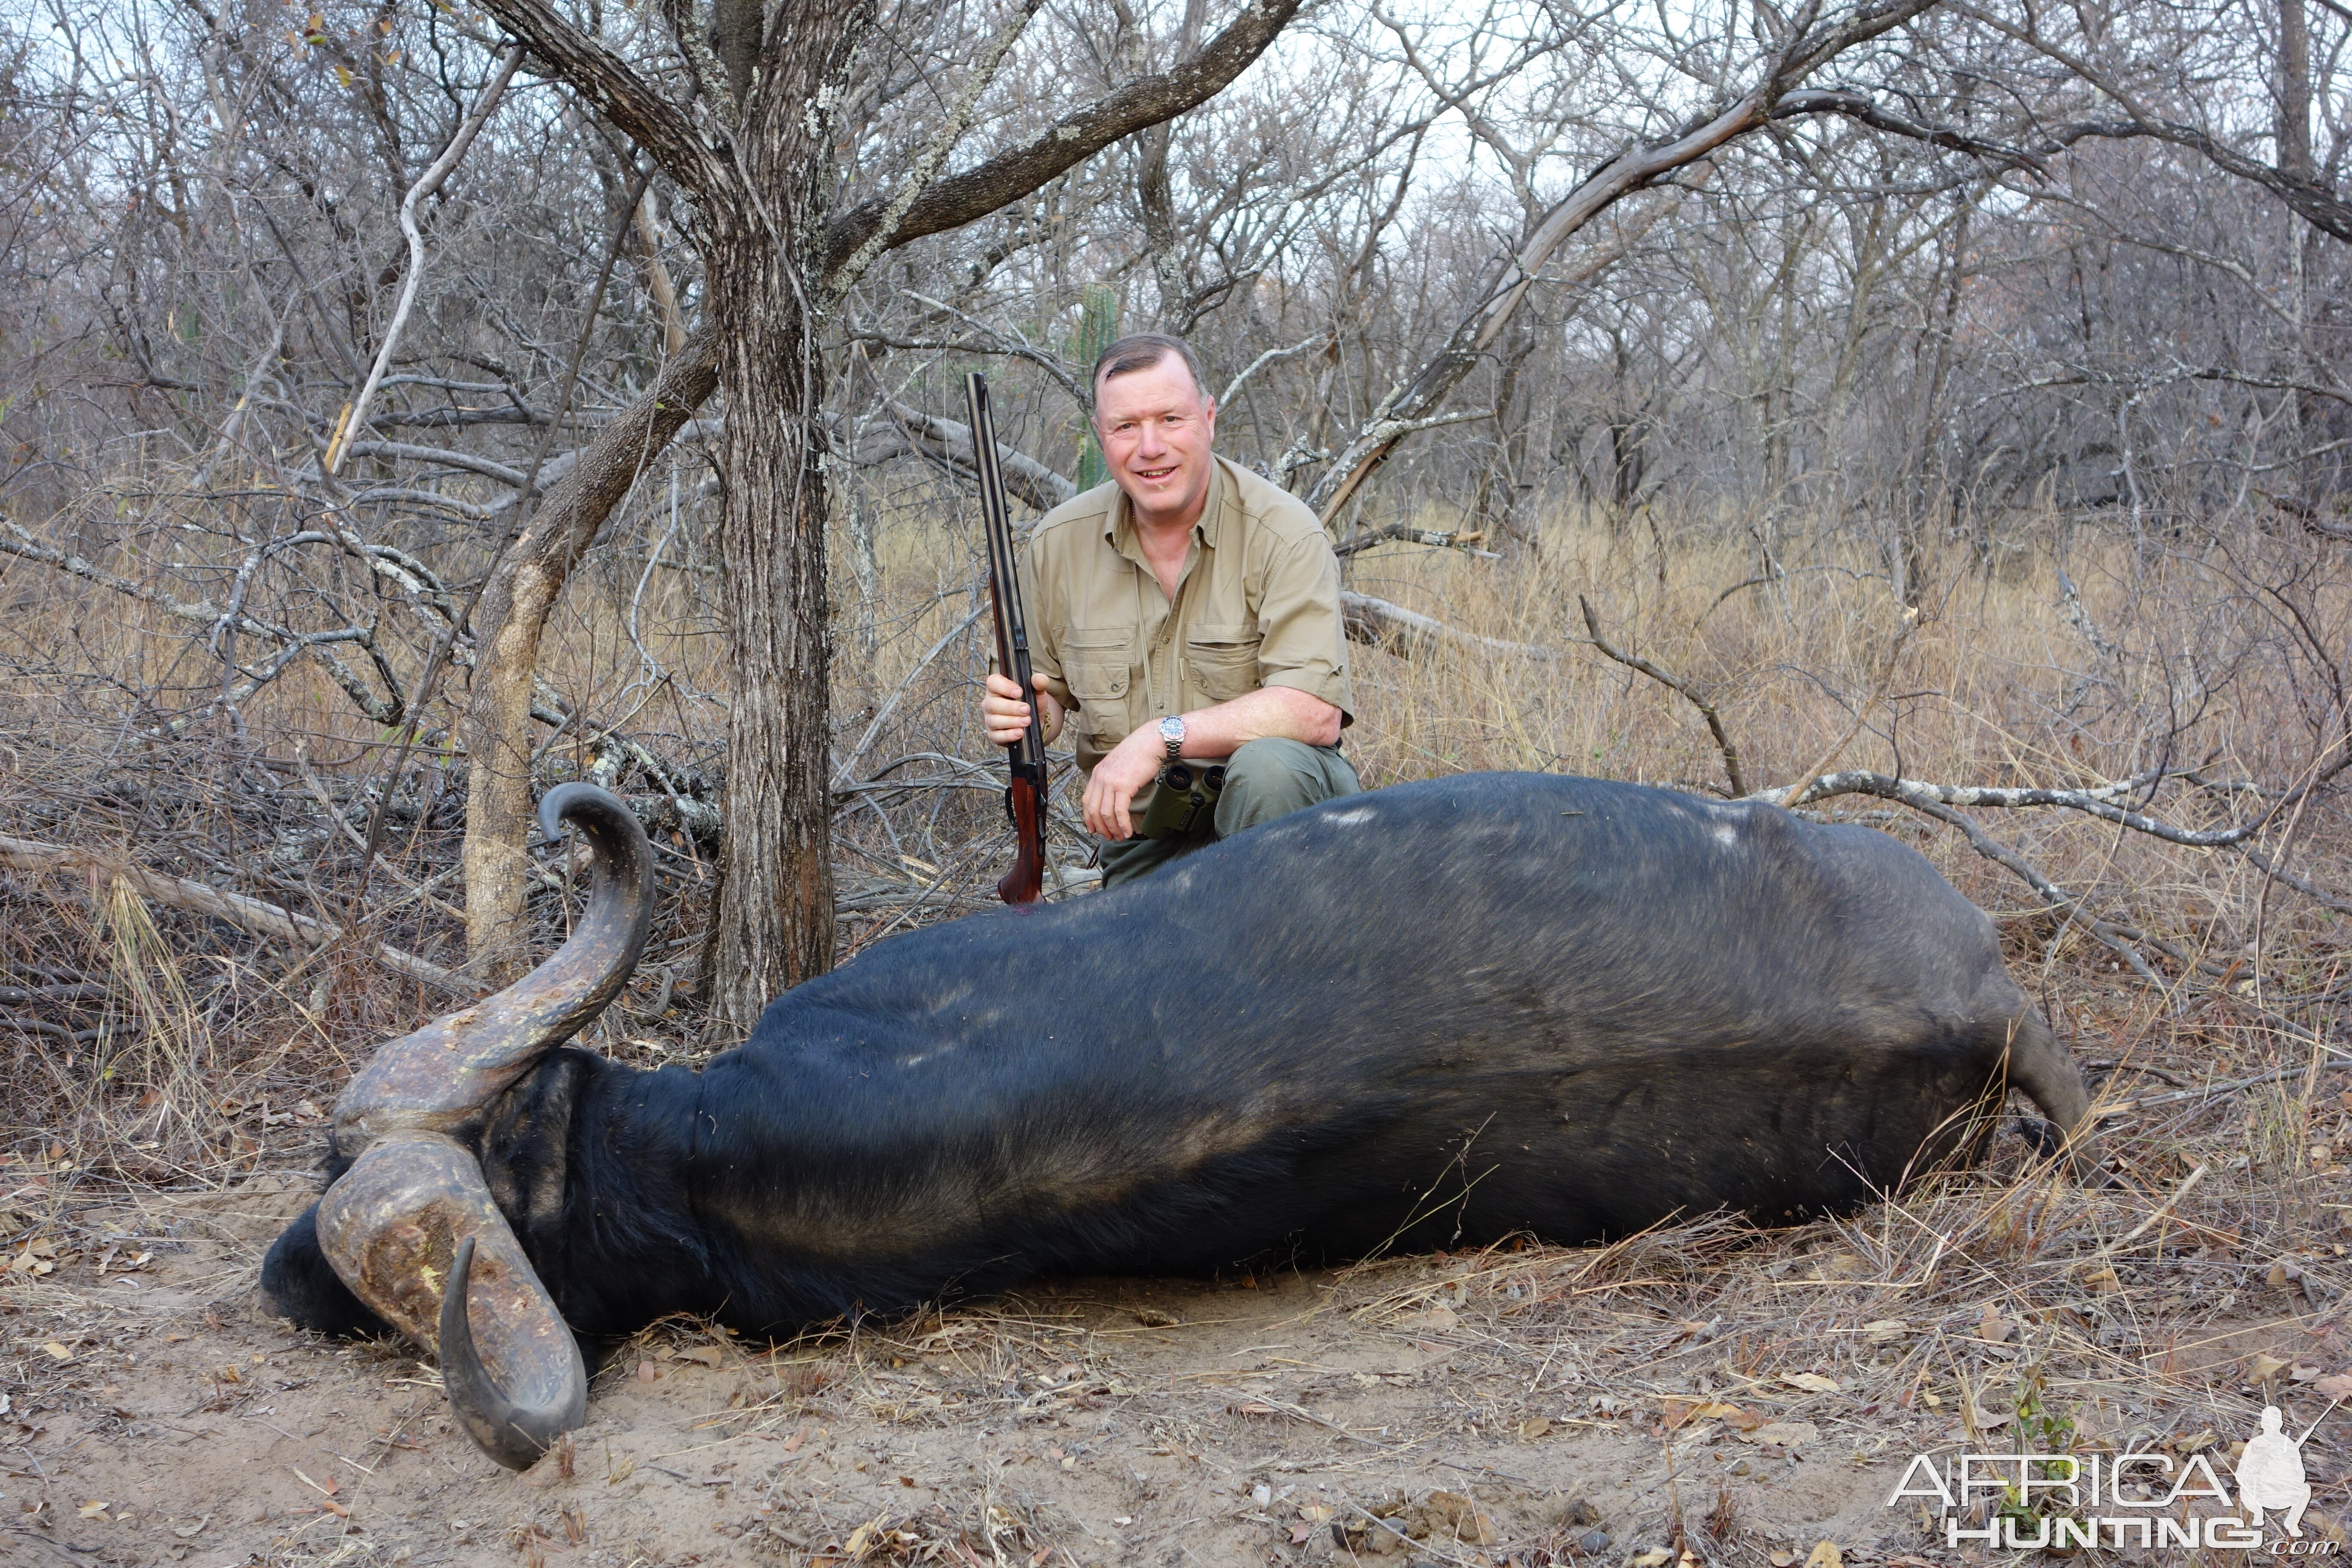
(1118, 527)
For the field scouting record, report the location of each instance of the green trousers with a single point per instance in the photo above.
(1264, 780)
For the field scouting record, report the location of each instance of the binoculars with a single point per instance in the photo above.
(1179, 798)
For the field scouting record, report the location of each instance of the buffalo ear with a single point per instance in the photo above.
(297, 1282)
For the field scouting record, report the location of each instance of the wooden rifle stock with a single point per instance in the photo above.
(1025, 793)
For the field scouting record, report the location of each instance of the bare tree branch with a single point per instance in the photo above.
(2312, 199)
(355, 419)
(1699, 697)
(1008, 176)
(840, 279)
(1635, 169)
(1864, 109)
(635, 108)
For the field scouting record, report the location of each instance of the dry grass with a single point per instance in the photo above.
(174, 1055)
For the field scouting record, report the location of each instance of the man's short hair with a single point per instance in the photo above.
(1142, 350)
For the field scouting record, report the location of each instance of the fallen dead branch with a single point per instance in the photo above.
(948, 443)
(247, 914)
(1416, 636)
(2119, 940)
(1941, 801)
(1467, 542)
(2098, 801)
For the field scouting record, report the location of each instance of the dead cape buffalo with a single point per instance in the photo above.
(1431, 1014)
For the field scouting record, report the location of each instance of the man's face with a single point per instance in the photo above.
(1155, 427)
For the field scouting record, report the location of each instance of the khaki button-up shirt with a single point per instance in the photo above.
(1258, 606)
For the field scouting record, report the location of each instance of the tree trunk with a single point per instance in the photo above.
(2293, 122)
(508, 621)
(773, 921)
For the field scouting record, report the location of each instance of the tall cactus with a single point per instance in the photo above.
(1097, 330)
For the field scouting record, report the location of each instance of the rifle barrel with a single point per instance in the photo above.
(1024, 794)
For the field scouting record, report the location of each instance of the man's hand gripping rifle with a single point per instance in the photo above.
(1024, 794)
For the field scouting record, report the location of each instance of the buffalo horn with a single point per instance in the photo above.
(513, 1431)
(412, 1221)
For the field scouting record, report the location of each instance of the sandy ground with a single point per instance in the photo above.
(1092, 1421)
(1401, 1412)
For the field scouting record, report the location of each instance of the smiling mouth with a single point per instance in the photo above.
(1157, 473)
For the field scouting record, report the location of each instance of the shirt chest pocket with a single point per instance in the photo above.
(1095, 663)
(1223, 659)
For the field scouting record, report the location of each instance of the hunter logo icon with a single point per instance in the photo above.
(2269, 1472)
(2152, 1499)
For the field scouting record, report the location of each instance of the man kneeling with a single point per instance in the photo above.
(1189, 609)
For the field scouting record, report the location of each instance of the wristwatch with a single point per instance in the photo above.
(1171, 735)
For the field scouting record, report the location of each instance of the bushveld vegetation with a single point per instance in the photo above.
(1954, 444)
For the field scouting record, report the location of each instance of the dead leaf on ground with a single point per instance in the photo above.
(94, 1509)
(1825, 1554)
(1993, 1327)
(2339, 1386)
(1885, 1331)
(1679, 1412)
(1812, 1381)
(713, 1356)
(1656, 1557)
(1785, 1434)
(1534, 1427)
(57, 1351)
(2262, 1366)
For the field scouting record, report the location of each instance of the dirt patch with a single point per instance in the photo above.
(1739, 1396)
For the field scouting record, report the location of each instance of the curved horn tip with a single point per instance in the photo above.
(515, 1435)
(569, 799)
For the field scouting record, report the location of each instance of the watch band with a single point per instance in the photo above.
(1171, 735)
